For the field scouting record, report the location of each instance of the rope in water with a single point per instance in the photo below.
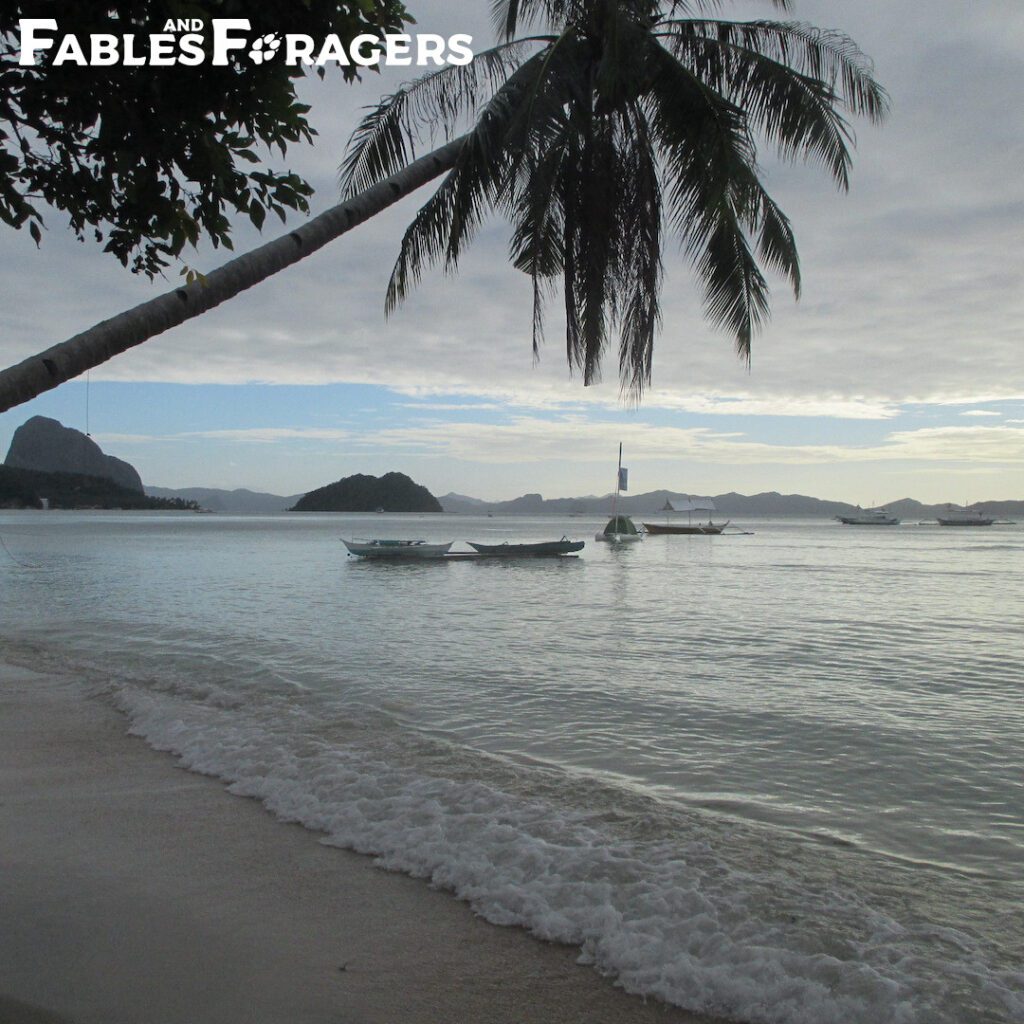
(24, 565)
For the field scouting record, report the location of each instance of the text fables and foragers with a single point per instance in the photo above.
(190, 42)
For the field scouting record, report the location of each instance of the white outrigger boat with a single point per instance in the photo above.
(395, 549)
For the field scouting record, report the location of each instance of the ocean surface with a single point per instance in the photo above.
(777, 777)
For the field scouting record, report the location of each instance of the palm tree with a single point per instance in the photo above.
(617, 122)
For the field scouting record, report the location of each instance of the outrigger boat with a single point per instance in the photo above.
(708, 527)
(396, 549)
(689, 526)
(544, 549)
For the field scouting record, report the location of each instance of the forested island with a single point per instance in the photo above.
(392, 492)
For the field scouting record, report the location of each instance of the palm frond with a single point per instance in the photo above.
(475, 184)
(829, 56)
(384, 141)
(641, 231)
(709, 165)
(509, 16)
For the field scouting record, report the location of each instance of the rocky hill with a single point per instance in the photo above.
(393, 492)
(46, 446)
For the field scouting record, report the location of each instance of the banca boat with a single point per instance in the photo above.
(870, 517)
(543, 549)
(708, 527)
(396, 549)
(701, 505)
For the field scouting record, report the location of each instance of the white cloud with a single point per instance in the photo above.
(531, 439)
(535, 440)
(255, 435)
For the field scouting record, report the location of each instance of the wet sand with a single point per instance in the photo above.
(134, 892)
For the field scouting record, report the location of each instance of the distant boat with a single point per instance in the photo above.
(543, 549)
(708, 527)
(964, 517)
(396, 549)
(870, 517)
(619, 529)
(702, 505)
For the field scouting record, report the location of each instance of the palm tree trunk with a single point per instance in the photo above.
(62, 362)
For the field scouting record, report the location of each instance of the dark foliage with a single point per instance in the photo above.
(25, 488)
(392, 492)
(149, 159)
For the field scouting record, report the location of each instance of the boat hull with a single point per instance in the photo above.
(854, 521)
(396, 550)
(691, 528)
(544, 549)
(620, 530)
(966, 522)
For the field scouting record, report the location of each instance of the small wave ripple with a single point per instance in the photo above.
(666, 917)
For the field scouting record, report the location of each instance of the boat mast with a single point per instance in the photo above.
(615, 500)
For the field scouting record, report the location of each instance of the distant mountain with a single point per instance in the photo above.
(910, 510)
(767, 503)
(771, 503)
(1003, 509)
(218, 500)
(27, 488)
(393, 492)
(453, 502)
(649, 503)
(47, 446)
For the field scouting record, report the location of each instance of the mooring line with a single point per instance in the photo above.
(24, 565)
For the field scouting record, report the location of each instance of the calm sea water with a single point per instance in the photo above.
(773, 777)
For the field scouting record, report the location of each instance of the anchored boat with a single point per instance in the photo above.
(543, 549)
(701, 505)
(870, 517)
(619, 529)
(396, 549)
(965, 517)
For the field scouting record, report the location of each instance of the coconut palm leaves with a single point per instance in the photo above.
(625, 121)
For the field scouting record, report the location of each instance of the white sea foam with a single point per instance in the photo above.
(668, 918)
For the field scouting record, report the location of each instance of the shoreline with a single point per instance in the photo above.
(138, 892)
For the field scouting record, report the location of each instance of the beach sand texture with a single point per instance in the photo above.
(134, 892)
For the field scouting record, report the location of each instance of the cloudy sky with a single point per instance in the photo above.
(900, 372)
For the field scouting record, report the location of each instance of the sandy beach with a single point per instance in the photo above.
(134, 891)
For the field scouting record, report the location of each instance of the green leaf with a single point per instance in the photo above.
(257, 214)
